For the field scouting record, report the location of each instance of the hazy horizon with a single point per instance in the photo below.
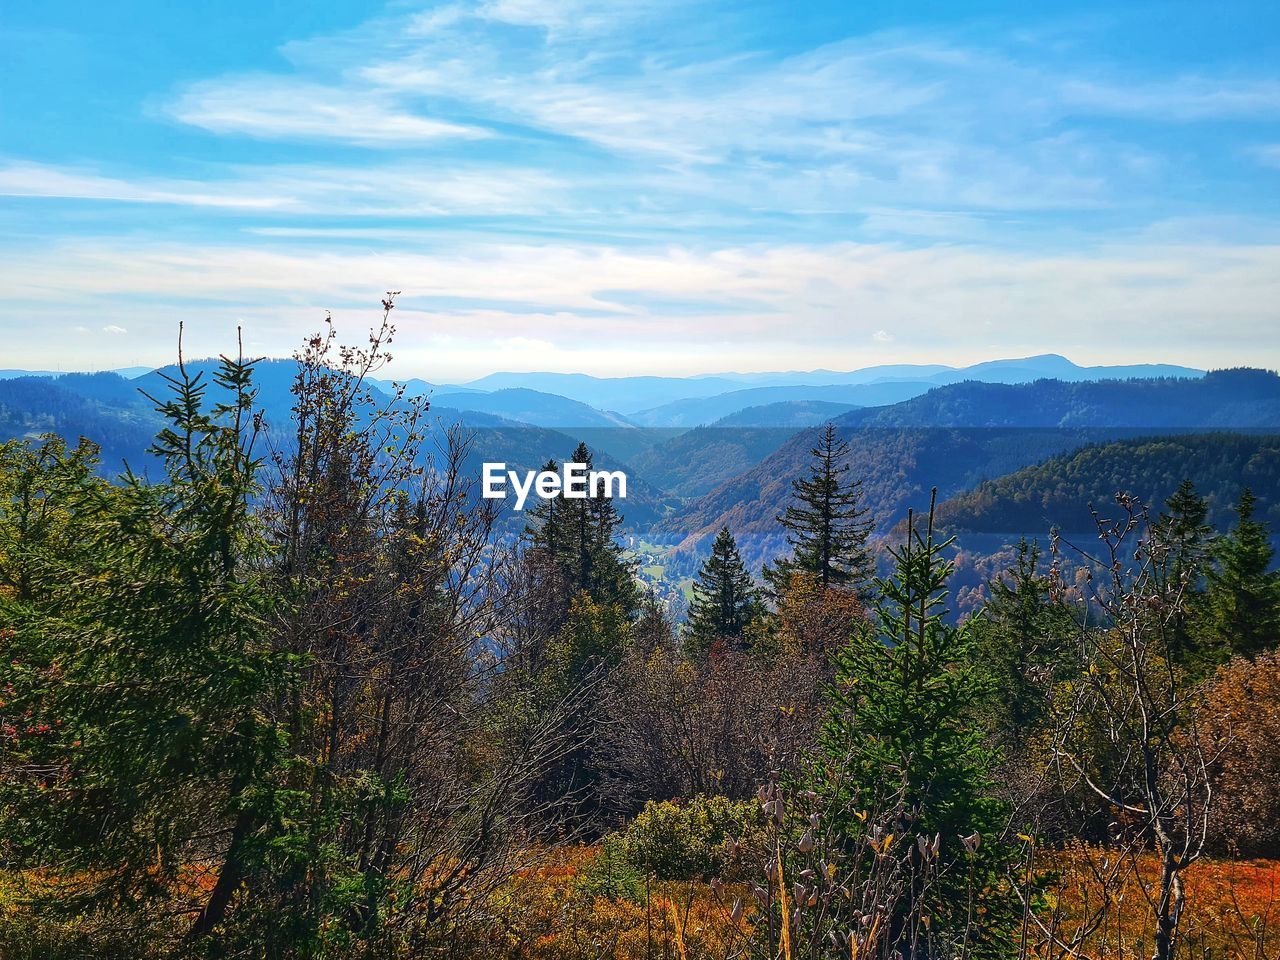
(395, 370)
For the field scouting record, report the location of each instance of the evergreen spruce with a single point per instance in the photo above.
(726, 602)
(141, 651)
(543, 531)
(1242, 603)
(1187, 536)
(898, 731)
(581, 536)
(1185, 530)
(827, 527)
(1021, 644)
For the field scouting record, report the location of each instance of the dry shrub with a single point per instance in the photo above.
(813, 620)
(553, 915)
(1241, 711)
(679, 728)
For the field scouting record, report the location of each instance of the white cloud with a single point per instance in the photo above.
(882, 336)
(1267, 154)
(114, 330)
(36, 180)
(1181, 99)
(280, 108)
(924, 126)
(754, 305)
(395, 190)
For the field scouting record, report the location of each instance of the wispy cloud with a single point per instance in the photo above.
(789, 301)
(279, 108)
(892, 118)
(1268, 154)
(393, 190)
(37, 180)
(1180, 99)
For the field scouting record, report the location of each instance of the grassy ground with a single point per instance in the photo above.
(558, 912)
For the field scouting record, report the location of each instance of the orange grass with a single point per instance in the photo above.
(1232, 906)
(1233, 911)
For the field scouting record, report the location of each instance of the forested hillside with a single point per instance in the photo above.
(1221, 398)
(957, 436)
(531, 406)
(898, 467)
(693, 412)
(1059, 491)
(71, 408)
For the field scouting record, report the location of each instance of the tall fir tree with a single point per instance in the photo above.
(1186, 534)
(1021, 644)
(827, 525)
(1185, 530)
(1242, 602)
(581, 536)
(140, 652)
(599, 602)
(899, 731)
(726, 603)
(543, 528)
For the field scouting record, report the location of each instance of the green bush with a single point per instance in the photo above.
(695, 839)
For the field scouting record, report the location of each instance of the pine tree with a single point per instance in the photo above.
(1187, 536)
(1021, 640)
(1185, 531)
(827, 527)
(1242, 602)
(726, 603)
(581, 536)
(144, 657)
(905, 687)
(543, 531)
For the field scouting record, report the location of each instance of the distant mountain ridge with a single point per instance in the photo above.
(683, 402)
(956, 436)
(1222, 398)
(672, 401)
(535, 407)
(114, 413)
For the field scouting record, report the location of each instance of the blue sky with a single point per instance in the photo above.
(642, 187)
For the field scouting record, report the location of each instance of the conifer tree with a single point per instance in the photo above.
(1242, 602)
(1188, 538)
(143, 657)
(827, 525)
(725, 603)
(1020, 643)
(581, 536)
(543, 529)
(1185, 530)
(898, 731)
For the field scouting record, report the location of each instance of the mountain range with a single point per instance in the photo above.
(1023, 449)
(692, 401)
(958, 436)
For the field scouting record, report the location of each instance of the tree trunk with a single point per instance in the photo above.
(1168, 909)
(229, 880)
